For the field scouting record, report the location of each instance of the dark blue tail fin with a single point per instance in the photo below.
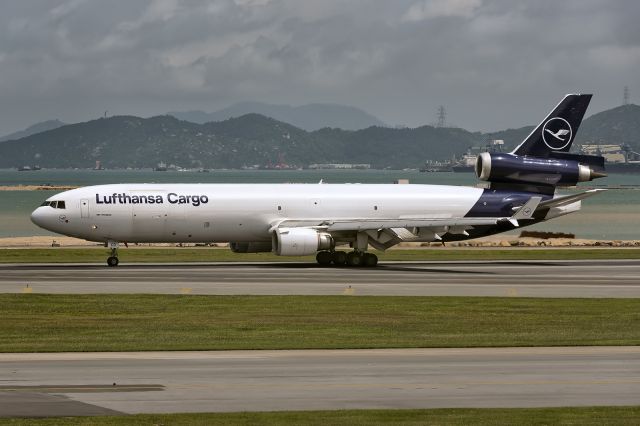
(558, 130)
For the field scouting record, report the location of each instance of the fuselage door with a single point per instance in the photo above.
(84, 208)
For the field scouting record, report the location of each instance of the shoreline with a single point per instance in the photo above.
(37, 187)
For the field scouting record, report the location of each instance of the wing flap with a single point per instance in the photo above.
(365, 224)
(459, 224)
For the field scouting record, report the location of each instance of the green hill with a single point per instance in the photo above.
(31, 130)
(617, 125)
(253, 139)
(126, 141)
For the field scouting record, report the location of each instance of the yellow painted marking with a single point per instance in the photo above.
(27, 289)
(349, 291)
(185, 290)
(512, 292)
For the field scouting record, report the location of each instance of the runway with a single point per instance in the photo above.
(162, 382)
(592, 278)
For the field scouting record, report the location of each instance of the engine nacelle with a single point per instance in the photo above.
(509, 168)
(300, 241)
(252, 247)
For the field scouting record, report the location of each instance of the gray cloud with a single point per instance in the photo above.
(492, 63)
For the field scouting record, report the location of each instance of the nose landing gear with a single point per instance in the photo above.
(113, 259)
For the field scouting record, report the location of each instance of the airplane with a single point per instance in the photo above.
(316, 219)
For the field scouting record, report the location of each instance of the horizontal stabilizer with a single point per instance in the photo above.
(568, 199)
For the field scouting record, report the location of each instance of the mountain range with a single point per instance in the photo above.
(307, 117)
(32, 130)
(253, 139)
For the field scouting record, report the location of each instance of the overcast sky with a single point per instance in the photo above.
(492, 63)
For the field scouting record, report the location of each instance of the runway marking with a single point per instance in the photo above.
(349, 291)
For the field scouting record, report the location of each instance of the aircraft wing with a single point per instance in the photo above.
(449, 224)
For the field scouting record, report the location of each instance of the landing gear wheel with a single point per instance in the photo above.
(323, 258)
(369, 260)
(354, 259)
(339, 258)
(113, 259)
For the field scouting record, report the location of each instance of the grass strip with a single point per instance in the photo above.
(204, 254)
(584, 416)
(53, 323)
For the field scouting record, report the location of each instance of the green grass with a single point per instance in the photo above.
(51, 323)
(203, 254)
(446, 417)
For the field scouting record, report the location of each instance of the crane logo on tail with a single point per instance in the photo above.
(557, 133)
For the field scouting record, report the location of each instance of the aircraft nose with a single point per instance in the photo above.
(37, 217)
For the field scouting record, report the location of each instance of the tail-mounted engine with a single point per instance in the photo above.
(558, 169)
(300, 241)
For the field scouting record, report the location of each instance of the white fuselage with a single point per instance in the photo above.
(236, 212)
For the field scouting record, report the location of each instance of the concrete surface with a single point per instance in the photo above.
(325, 379)
(592, 278)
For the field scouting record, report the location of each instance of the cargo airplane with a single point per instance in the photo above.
(317, 219)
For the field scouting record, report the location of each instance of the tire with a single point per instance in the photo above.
(369, 260)
(339, 258)
(354, 259)
(112, 261)
(323, 258)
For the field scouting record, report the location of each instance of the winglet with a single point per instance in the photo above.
(526, 211)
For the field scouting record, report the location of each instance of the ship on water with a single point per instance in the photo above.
(28, 168)
(161, 167)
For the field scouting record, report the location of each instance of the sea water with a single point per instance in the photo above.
(614, 214)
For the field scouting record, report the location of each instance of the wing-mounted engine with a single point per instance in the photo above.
(562, 169)
(300, 241)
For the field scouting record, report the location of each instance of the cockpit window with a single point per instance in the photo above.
(54, 204)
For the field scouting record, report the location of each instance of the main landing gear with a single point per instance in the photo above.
(339, 258)
(113, 259)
